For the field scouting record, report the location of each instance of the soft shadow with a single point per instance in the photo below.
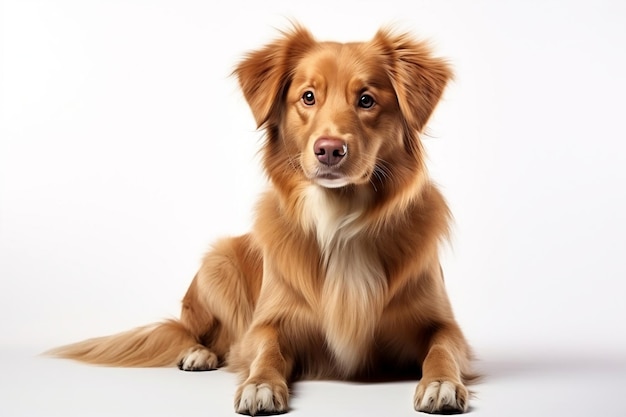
(500, 366)
(390, 375)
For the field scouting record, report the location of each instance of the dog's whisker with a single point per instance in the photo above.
(290, 159)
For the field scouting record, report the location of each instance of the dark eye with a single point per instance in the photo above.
(308, 98)
(366, 101)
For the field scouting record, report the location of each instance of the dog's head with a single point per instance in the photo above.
(342, 115)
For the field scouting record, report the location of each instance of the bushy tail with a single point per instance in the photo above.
(160, 344)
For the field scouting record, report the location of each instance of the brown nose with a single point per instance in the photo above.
(330, 151)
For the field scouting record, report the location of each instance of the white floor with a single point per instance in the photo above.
(126, 149)
(516, 385)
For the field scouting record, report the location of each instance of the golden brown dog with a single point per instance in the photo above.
(340, 276)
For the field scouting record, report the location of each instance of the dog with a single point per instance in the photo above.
(340, 276)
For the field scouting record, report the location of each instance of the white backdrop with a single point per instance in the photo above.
(126, 148)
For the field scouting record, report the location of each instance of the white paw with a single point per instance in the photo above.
(440, 396)
(261, 398)
(198, 358)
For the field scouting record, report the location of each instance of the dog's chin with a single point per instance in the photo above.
(335, 182)
(338, 180)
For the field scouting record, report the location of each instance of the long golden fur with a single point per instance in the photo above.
(340, 276)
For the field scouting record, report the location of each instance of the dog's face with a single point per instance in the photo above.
(342, 114)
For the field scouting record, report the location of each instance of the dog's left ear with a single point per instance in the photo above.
(265, 74)
(418, 77)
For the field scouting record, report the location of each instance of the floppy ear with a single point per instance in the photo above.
(417, 76)
(265, 74)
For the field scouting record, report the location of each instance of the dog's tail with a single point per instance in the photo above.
(161, 344)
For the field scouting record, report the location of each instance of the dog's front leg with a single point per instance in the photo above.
(441, 388)
(264, 389)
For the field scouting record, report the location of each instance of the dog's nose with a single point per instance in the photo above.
(330, 151)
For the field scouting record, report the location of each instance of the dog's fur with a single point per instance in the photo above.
(340, 276)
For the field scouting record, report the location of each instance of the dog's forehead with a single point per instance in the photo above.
(343, 61)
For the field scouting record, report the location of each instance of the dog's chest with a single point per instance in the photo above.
(355, 285)
(352, 304)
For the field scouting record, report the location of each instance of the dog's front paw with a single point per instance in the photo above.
(198, 358)
(262, 398)
(441, 396)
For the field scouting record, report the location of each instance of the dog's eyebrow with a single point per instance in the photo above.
(373, 84)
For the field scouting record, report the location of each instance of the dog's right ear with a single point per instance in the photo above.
(265, 74)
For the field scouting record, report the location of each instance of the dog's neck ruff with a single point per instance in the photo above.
(333, 221)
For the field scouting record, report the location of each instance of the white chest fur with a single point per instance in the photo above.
(355, 285)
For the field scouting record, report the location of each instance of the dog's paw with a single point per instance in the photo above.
(441, 397)
(262, 398)
(198, 358)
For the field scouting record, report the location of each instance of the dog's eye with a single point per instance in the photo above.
(308, 98)
(366, 101)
